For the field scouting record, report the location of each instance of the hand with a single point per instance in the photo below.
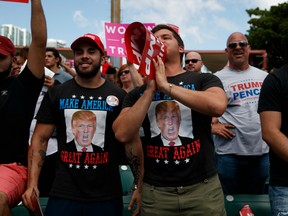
(49, 81)
(160, 76)
(135, 199)
(28, 196)
(223, 130)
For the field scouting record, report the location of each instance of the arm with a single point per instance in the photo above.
(135, 115)
(36, 54)
(134, 154)
(36, 156)
(136, 77)
(277, 141)
(68, 69)
(212, 101)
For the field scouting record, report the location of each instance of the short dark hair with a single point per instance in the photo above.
(111, 70)
(55, 53)
(175, 34)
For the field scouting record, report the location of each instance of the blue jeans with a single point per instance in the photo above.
(243, 174)
(65, 207)
(278, 200)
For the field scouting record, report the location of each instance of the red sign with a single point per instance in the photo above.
(21, 1)
(246, 211)
(141, 47)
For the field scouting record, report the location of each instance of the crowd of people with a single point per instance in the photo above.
(190, 137)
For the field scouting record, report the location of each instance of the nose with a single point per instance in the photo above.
(84, 54)
(85, 129)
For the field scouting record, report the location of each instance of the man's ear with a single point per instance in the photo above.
(181, 49)
(58, 60)
(103, 60)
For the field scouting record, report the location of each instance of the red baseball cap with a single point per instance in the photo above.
(90, 38)
(6, 46)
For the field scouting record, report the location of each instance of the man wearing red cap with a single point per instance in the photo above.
(18, 97)
(86, 182)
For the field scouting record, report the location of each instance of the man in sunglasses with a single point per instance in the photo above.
(193, 62)
(241, 154)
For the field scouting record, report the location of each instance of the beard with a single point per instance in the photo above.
(88, 74)
(6, 73)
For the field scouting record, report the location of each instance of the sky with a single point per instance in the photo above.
(203, 24)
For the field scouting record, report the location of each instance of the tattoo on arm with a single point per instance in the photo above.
(42, 156)
(134, 162)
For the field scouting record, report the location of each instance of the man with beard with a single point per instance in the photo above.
(86, 183)
(18, 97)
(241, 153)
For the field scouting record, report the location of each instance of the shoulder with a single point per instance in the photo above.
(257, 70)
(27, 74)
(282, 71)
(279, 77)
(66, 84)
(114, 88)
(221, 72)
(62, 88)
(62, 76)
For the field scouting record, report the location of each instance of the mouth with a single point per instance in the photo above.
(171, 130)
(84, 63)
(85, 137)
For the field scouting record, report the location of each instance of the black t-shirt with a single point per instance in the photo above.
(85, 176)
(274, 97)
(193, 160)
(18, 97)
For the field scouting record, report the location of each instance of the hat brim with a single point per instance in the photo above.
(82, 40)
(4, 52)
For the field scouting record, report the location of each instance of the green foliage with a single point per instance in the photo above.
(269, 31)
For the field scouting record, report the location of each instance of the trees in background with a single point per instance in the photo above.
(269, 31)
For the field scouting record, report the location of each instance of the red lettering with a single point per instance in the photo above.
(186, 151)
(240, 87)
(256, 84)
(160, 152)
(96, 158)
(71, 157)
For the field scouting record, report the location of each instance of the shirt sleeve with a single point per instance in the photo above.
(270, 95)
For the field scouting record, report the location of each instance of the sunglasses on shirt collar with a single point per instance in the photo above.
(192, 60)
(233, 45)
(123, 72)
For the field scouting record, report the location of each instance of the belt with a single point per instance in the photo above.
(177, 189)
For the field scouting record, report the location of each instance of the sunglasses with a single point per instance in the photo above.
(242, 44)
(123, 72)
(192, 60)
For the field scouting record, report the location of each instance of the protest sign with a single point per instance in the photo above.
(114, 35)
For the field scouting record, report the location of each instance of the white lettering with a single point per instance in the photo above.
(112, 48)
